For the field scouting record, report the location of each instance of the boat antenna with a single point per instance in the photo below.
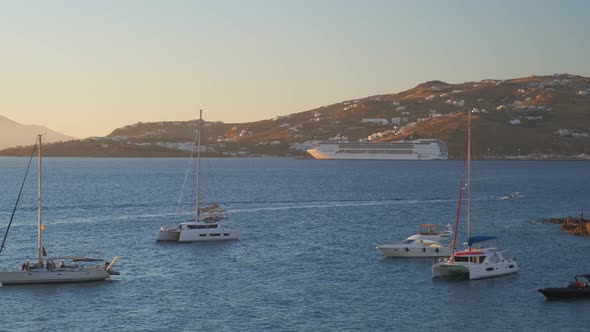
(199, 127)
(18, 197)
(469, 177)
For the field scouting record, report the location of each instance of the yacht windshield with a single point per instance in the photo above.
(407, 241)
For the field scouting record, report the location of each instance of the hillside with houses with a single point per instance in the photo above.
(536, 117)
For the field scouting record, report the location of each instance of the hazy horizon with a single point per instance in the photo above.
(87, 68)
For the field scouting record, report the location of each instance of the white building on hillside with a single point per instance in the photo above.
(375, 121)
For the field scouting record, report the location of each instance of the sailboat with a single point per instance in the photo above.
(474, 262)
(45, 270)
(210, 223)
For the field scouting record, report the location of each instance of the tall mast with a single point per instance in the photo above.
(39, 200)
(468, 175)
(197, 211)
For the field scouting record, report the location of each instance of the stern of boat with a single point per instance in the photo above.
(446, 270)
(167, 234)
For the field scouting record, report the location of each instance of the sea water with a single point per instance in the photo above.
(306, 259)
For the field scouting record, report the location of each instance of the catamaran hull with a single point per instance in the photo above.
(416, 252)
(168, 235)
(473, 272)
(195, 235)
(44, 277)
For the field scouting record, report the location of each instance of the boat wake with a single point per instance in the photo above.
(274, 206)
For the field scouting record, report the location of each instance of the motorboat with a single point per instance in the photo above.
(431, 232)
(414, 248)
(577, 289)
(474, 262)
(45, 270)
(428, 242)
(513, 195)
(209, 223)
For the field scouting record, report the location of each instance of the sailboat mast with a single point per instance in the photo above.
(469, 176)
(197, 210)
(39, 201)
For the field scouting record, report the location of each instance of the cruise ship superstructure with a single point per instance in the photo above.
(420, 149)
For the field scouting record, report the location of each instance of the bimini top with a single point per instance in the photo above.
(480, 238)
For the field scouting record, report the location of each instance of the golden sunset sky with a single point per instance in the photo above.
(85, 68)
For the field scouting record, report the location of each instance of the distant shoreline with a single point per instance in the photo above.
(495, 158)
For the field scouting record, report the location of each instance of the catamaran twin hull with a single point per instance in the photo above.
(474, 271)
(57, 276)
(422, 149)
(197, 235)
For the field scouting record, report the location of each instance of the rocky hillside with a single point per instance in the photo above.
(531, 117)
(13, 133)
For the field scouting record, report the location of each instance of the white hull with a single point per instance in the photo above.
(399, 250)
(487, 263)
(474, 271)
(326, 155)
(427, 149)
(55, 276)
(206, 235)
(167, 234)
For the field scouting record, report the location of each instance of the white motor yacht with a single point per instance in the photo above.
(428, 242)
(430, 232)
(414, 248)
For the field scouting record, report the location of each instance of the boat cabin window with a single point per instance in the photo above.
(202, 226)
(473, 259)
(407, 241)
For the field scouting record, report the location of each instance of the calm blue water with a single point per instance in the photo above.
(306, 260)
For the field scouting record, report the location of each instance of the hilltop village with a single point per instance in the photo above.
(536, 117)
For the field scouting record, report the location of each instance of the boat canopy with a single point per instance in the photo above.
(480, 238)
(429, 226)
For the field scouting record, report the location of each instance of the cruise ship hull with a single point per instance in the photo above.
(423, 149)
(324, 155)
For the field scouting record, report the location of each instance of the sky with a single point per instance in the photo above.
(85, 68)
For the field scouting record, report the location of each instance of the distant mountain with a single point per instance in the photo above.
(530, 118)
(15, 134)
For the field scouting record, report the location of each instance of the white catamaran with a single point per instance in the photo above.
(210, 223)
(45, 270)
(474, 262)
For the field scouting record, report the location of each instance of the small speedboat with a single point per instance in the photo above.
(513, 195)
(577, 289)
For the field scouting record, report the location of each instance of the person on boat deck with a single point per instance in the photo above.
(62, 264)
(39, 265)
(26, 266)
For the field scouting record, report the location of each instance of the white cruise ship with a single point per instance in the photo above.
(420, 149)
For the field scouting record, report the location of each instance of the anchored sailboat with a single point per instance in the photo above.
(45, 270)
(210, 223)
(474, 263)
